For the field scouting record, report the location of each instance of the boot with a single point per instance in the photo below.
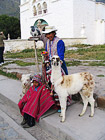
(23, 122)
(31, 121)
(26, 126)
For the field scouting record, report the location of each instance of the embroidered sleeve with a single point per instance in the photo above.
(61, 49)
(46, 47)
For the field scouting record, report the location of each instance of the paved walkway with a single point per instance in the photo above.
(50, 127)
(10, 130)
(74, 128)
(10, 117)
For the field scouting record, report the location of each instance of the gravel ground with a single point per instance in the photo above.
(97, 71)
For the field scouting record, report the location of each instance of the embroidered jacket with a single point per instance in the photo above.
(55, 47)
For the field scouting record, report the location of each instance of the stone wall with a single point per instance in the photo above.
(72, 41)
(18, 45)
(21, 44)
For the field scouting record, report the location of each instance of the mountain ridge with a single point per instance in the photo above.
(10, 8)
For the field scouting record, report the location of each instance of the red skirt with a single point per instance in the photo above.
(36, 103)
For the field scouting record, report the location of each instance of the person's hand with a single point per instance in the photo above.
(1, 33)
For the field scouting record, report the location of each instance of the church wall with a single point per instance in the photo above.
(100, 24)
(25, 27)
(62, 17)
(84, 17)
(75, 19)
(100, 11)
(24, 21)
(100, 32)
(56, 16)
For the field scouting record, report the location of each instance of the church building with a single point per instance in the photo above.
(76, 21)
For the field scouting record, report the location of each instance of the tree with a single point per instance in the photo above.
(10, 25)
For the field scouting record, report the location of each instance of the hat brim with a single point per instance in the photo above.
(49, 31)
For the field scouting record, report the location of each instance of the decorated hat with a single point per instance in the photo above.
(37, 77)
(49, 29)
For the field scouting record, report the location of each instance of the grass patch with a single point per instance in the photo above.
(93, 53)
(22, 63)
(101, 75)
(9, 75)
(27, 50)
(96, 52)
(80, 45)
(73, 63)
(27, 53)
(102, 63)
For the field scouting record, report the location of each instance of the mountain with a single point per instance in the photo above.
(10, 7)
(100, 1)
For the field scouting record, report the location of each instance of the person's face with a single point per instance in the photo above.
(35, 83)
(50, 36)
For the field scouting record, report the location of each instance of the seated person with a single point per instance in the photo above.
(35, 102)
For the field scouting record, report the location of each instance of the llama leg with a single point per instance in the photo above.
(91, 101)
(85, 102)
(60, 106)
(63, 108)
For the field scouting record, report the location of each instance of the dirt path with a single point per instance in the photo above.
(97, 71)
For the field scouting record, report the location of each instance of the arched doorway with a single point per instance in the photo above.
(40, 23)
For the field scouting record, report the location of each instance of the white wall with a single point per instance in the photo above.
(84, 13)
(68, 16)
(100, 11)
(100, 32)
(100, 24)
(62, 17)
(60, 14)
(24, 18)
(17, 45)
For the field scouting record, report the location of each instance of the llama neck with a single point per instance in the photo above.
(56, 73)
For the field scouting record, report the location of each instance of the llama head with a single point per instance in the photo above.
(55, 61)
(26, 80)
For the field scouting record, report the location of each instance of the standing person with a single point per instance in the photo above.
(43, 37)
(35, 102)
(55, 46)
(2, 37)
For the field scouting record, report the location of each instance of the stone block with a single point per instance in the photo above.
(101, 101)
(18, 75)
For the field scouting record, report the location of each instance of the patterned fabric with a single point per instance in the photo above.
(60, 46)
(52, 47)
(37, 77)
(36, 103)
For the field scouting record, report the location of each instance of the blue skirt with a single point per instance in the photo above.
(64, 67)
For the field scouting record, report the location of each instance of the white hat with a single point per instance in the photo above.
(49, 29)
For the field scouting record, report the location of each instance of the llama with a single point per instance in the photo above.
(26, 83)
(71, 84)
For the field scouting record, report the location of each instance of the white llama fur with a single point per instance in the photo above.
(26, 83)
(71, 84)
